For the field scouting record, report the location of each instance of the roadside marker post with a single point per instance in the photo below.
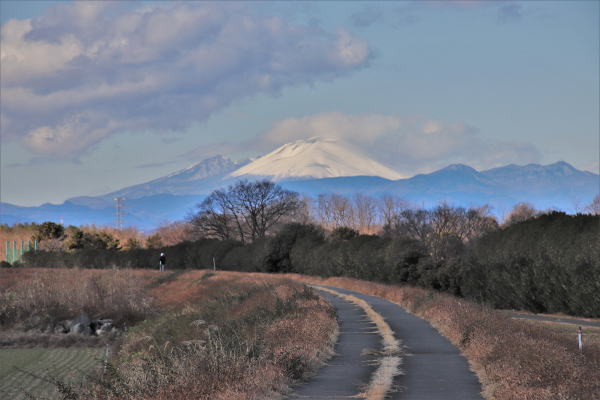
(214, 265)
(106, 354)
(580, 340)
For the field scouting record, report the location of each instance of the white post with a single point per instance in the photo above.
(214, 265)
(105, 359)
(580, 339)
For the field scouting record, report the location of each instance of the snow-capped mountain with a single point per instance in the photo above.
(199, 178)
(315, 166)
(314, 158)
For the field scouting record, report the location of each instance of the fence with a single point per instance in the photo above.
(14, 253)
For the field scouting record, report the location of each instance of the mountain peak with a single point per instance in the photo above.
(315, 158)
(562, 165)
(459, 168)
(193, 179)
(559, 168)
(205, 168)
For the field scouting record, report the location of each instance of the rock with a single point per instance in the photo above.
(106, 324)
(76, 329)
(82, 319)
(101, 326)
(62, 327)
(81, 329)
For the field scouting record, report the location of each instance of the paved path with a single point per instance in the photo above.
(571, 321)
(347, 373)
(433, 368)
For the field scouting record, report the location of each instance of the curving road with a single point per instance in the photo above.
(432, 368)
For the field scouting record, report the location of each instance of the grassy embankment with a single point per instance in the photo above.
(514, 359)
(194, 334)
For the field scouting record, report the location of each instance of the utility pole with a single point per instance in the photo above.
(119, 212)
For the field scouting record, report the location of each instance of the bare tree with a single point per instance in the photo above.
(520, 212)
(324, 210)
(262, 204)
(303, 214)
(446, 220)
(444, 229)
(335, 210)
(365, 212)
(52, 245)
(215, 219)
(342, 210)
(478, 221)
(245, 211)
(594, 207)
(389, 207)
(175, 232)
(415, 224)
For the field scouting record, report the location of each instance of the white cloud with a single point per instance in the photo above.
(410, 145)
(332, 125)
(85, 71)
(66, 138)
(350, 50)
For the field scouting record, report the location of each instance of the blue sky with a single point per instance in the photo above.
(97, 96)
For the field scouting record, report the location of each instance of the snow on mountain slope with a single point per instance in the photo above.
(314, 158)
(198, 178)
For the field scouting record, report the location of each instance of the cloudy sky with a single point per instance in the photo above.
(100, 95)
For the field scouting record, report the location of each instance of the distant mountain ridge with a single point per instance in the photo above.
(196, 179)
(172, 197)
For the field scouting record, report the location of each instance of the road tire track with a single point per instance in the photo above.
(349, 371)
(433, 368)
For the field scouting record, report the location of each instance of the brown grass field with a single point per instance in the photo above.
(192, 334)
(514, 359)
(227, 335)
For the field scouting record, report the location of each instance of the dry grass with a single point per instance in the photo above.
(202, 335)
(35, 298)
(514, 359)
(591, 335)
(561, 316)
(228, 336)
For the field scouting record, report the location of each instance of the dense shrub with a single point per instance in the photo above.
(546, 264)
(279, 248)
(550, 263)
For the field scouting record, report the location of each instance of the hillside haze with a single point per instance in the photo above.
(317, 166)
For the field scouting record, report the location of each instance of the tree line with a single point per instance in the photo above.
(538, 261)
